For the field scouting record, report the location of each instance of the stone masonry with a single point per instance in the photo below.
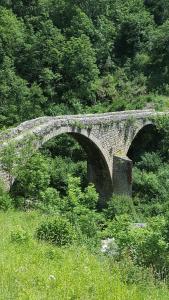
(106, 138)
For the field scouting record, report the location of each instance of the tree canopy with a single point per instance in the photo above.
(71, 56)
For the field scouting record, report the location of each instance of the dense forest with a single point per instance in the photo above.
(67, 57)
(70, 56)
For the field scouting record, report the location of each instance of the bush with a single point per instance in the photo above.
(23, 203)
(146, 185)
(50, 200)
(19, 235)
(75, 197)
(34, 177)
(74, 193)
(150, 162)
(152, 187)
(118, 228)
(58, 231)
(5, 199)
(134, 274)
(5, 202)
(90, 197)
(119, 205)
(146, 245)
(89, 223)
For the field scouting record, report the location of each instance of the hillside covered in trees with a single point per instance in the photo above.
(67, 57)
(70, 56)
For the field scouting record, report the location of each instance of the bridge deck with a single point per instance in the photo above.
(65, 120)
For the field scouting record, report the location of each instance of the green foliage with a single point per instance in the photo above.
(159, 8)
(40, 270)
(91, 197)
(90, 223)
(12, 33)
(34, 177)
(80, 68)
(14, 155)
(160, 75)
(74, 193)
(76, 198)
(65, 57)
(60, 57)
(147, 184)
(150, 179)
(135, 27)
(58, 232)
(5, 199)
(119, 205)
(50, 201)
(150, 162)
(19, 235)
(146, 245)
(162, 125)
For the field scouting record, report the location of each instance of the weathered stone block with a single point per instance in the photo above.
(122, 175)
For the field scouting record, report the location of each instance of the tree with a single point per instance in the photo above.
(80, 69)
(159, 59)
(12, 34)
(159, 8)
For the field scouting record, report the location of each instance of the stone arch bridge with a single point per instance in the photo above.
(105, 137)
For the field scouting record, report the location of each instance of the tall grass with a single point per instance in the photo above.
(31, 270)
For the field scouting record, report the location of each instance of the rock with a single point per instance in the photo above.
(109, 246)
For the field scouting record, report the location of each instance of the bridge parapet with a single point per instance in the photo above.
(68, 119)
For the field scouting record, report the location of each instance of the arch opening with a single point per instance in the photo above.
(146, 140)
(98, 171)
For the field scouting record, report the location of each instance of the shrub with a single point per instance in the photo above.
(134, 274)
(19, 235)
(89, 223)
(119, 205)
(90, 197)
(50, 200)
(5, 199)
(34, 177)
(146, 245)
(118, 228)
(58, 231)
(80, 170)
(74, 193)
(60, 168)
(150, 162)
(5, 202)
(146, 185)
(23, 203)
(75, 197)
(152, 186)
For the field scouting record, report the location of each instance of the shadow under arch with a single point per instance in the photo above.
(98, 171)
(147, 139)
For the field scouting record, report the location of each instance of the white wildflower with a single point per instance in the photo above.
(52, 277)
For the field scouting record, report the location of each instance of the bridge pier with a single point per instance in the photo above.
(122, 175)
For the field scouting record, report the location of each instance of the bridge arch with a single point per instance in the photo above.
(99, 171)
(145, 139)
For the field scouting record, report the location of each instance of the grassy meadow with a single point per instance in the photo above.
(32, 270)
